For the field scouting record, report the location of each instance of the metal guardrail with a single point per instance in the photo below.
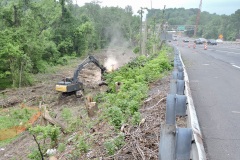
(180, 143)
(198, 150)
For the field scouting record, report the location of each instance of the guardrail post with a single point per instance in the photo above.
(183, 143)
(167, 142)
(180, 87)
(170, 110)
(181, 106)
(173, 86)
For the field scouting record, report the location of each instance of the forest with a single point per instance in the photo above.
(38, 34)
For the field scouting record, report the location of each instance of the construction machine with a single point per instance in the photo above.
(73, 85)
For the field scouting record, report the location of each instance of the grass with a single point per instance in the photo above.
(15, 116)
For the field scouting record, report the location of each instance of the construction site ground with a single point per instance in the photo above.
(141, 141)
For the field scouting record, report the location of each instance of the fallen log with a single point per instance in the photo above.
(53, 121)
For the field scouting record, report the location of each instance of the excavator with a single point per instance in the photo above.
(73, 85)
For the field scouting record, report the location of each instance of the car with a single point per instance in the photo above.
(212, 42)
(219, 41)
(198, 41)
(203, 40)
(186, 40)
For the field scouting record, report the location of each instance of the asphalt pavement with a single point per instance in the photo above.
(214, 76)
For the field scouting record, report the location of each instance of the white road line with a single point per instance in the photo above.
(235, 112)
(227, 52)
(236, 66)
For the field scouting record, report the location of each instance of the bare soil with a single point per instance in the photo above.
(141, 142)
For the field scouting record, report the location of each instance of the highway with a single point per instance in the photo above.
(214, 76)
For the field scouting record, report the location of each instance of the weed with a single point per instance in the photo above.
(83, 145)
(136, 118)
(135, 77)
(114, 144)
(44, 132)
(35, 154)
(74, 124)
(15, 116)
(66, 114)
(61, 147)
(110, 147)
(116, 116)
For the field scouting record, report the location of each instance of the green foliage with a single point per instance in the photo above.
(136, 49)
(66, 114)
(15, 116)
(110, 147)
(116, 116)
(136, 118)
(73, 122)
(210, 25)
(35, 155)
(44, 132)
(83, 146)
(36, 35)
(115, 144)
(61, 147)
(134, 78)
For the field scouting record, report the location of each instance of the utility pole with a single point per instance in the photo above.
(162, 33)
(163, 22)
(141, 16)
(197, 19)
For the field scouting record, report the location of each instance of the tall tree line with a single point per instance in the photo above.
(36, 34)
(210, 25)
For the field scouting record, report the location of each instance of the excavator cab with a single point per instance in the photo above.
(71, 84)
(67, 85)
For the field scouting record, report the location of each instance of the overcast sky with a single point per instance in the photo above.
(212, 6)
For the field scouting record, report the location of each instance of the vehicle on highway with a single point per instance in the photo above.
(219, 41)
(186, 40)
(198, 41)
(212, 42)
(174, 37)
(203, 40)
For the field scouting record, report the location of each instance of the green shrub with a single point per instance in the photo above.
(61, 147)
(116, 116)
(110, 147)
(82, 145)
(134, 77)
(44, 132)
(66, 114)
(114, 144)
(136, 118)
(136, 50)
(35, 154)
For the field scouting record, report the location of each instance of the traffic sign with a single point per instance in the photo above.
(181, 28)
(220, 36)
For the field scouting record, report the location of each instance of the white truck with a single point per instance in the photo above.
(174, 37)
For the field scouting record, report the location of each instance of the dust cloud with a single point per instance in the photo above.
(119, 50)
